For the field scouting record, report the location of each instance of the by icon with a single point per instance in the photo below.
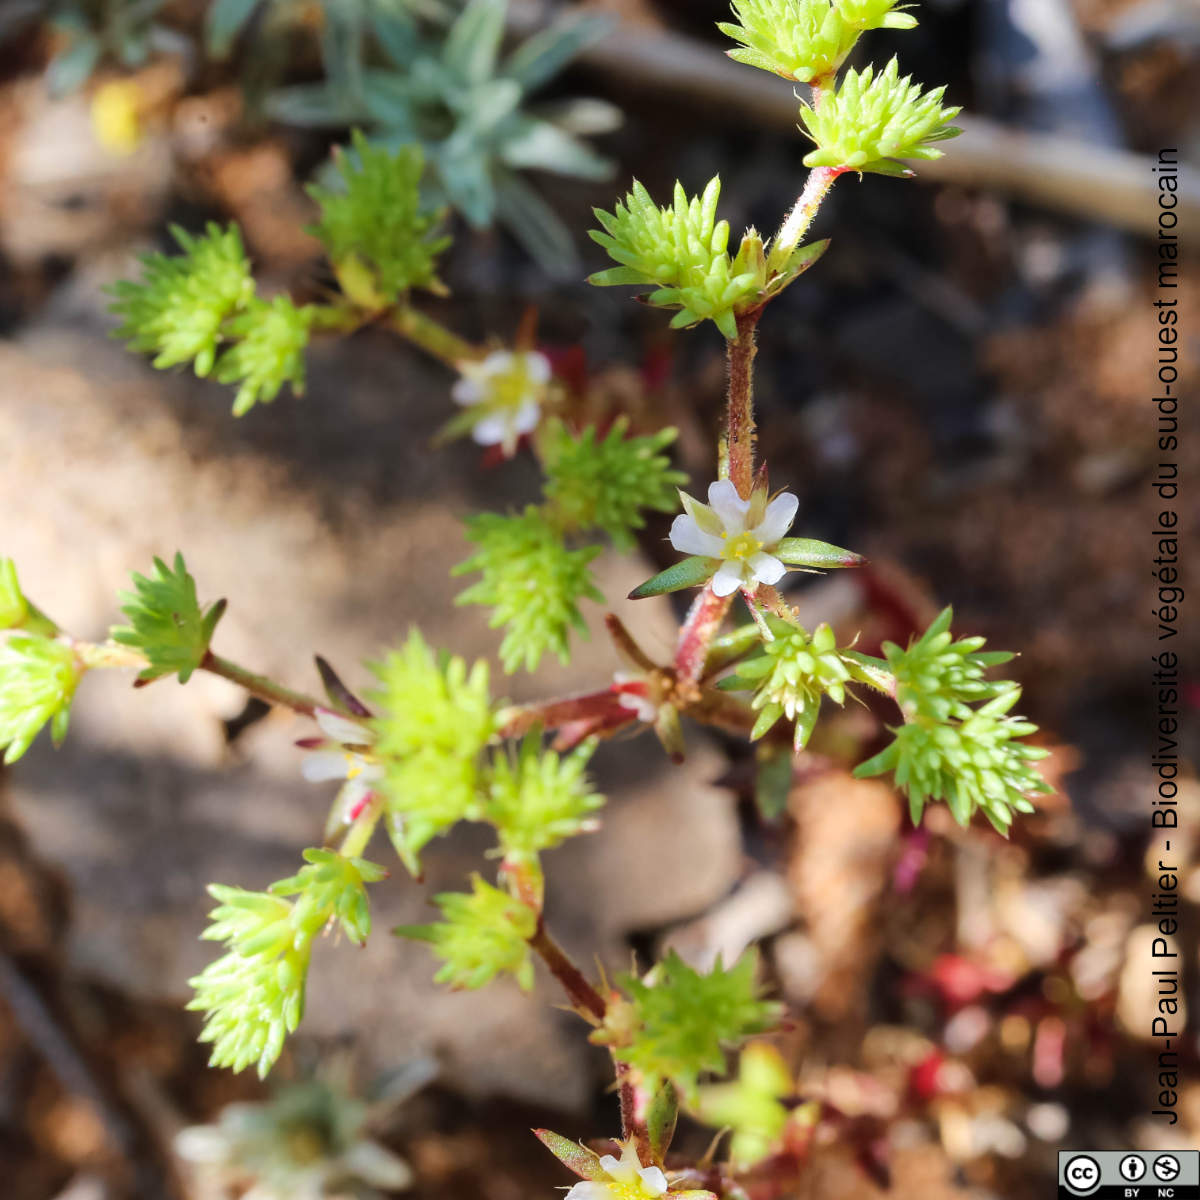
(1132, 1167)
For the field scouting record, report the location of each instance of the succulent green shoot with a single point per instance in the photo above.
(38, 677)
(538, 799)
(253, 996)
(874, 120)
(434, 717)
(178, 310)
(166, 622)
(606, 483)
(378, 234)
(532, 582)
(482, 934)
(679, 1021)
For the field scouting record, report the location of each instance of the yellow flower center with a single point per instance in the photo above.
(354, 766)
(513, 388)
(741, 546)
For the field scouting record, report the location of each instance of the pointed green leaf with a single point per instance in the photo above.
(804, 552)
(691, 572)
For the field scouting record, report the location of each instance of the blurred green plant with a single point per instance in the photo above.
(93, 32)
(451, 93)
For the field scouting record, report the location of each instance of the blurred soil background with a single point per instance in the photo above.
(960, 391)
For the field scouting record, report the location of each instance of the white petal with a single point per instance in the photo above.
(767, 568)
(778, 518)
(728, 579)
(499, 362)
(525, 419)
(688, 538)
(491, 431)
(729, 506)
(537, 366)
(588, 1189)
(466, 392)
(653, 1180)
(342, 729)
(322, 765)
(611, 1165)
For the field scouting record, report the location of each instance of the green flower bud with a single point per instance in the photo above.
(873, 120)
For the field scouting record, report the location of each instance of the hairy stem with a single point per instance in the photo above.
(703, 621)
(582, 995)
(433, 337)
(740, 436)
(797, 222)
(259, 685)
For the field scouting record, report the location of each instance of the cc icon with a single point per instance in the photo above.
(1082, 1175)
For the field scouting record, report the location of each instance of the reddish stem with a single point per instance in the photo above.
(703, 621)
(741, 403)
(582, 995)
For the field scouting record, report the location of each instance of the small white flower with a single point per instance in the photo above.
(508, 387)
(347, 761)
(741, 533)
(627, 1180)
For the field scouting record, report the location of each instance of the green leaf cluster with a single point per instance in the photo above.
(873, 120)
(269, 340)
(971, 758)
(38, 677)
(452, 93)
(802, 40)
(483, 934)
(540, 799)
(374, 221)
(682, 252)
(751, 1105)
(200, 307)
(938, 677)
(179, 309)
(253, 996)
(333, 885)
(680, 1021)
(606, 483)
(166, 622)
(533, 582)
(434, 719)
(791, 676)
(973, 765)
